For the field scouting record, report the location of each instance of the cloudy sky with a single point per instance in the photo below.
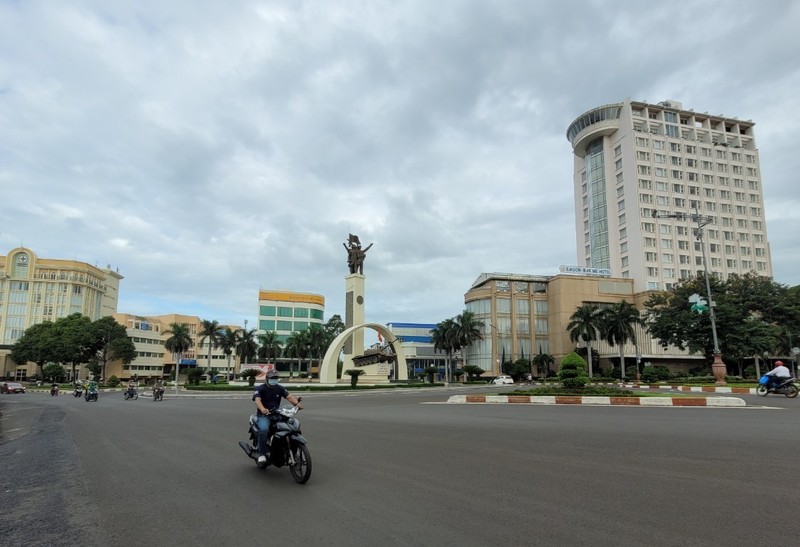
(211, 149)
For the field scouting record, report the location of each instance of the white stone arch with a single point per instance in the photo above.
(327, 371)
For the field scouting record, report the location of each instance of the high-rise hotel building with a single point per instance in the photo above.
(633, 159)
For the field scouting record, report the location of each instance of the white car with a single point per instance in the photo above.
(503, 379)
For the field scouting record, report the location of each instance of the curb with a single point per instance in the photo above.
(696, 389)
(596, 400)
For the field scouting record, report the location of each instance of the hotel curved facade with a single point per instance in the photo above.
(634, 161)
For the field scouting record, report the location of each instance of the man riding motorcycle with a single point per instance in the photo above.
(778, 375)
(132, 388)
(268, 398)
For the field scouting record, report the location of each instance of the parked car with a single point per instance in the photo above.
(503, 379)
(12, 387)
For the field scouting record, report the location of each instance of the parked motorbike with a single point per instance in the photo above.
(78, 391)
(286, 444)
(158, 393)
(786, 388)
(54, 390)
(91, 394)
(131, 393)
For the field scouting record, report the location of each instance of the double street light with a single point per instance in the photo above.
(718, 366)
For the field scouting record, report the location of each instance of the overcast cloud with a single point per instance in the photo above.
(212, 149)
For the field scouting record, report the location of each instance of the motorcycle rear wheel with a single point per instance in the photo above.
(791, 391)
(301, 470)
(761, 390)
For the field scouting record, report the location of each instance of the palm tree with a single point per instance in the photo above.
(584, 324)
(296, 348)
(318, 342)
(247, 346)
(211, 331)
(445, 338)
(178, 343)
(617, 328)
(468, 330)
(228, 341)
(269, 346)
(543, 362)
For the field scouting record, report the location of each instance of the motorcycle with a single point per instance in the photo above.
(786, 388)
(91, 394)
(78, 391)
(286, 444)
(131, 393)
(158, 393)
(54, 391)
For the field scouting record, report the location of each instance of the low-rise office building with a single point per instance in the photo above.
(524, 315)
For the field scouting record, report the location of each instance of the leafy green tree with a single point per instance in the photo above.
(617, 327)
(269, 346)
(572, 372)
(228, 340)
(334, 327)
(75, 341)
(584, 325)
(36, 345)
(211, 331)
(193, 375)
(112, 342)
(178, 343)
(745, 306)
(54, 372)
(517, 369)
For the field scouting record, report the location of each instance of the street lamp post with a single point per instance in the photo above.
(718, 366)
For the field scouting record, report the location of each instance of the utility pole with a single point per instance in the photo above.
(718, 366)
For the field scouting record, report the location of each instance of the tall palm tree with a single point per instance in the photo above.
(445, 338)
(228, 340)
(269, 346)
(617, 327)
(584, 325)
(318, 342)
(211, 331)
(296, 348)
(178, 343)
(247, 347)
(468, 330)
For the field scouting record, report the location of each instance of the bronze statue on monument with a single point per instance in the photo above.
(355, 254)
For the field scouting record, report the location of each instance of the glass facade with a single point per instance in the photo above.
(598, 214)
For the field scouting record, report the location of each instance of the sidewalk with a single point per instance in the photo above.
(597, 400)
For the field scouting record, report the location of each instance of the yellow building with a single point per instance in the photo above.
(35, 289)
(523, 315)
(149, 334)
(285, 312)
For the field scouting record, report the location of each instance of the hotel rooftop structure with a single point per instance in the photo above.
(636, 163)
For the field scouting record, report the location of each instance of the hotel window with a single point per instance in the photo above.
(642, 156)
(707, 165)
(658, 145)
(662, 200)
(677, 188)
(623, 233)
(667, 258)
(747, 265)
(624, 262)
(679, 202)
(644, 169)
(741, 210)
(666, 244)
(670, 117)
(650, 257)
(722, 167)
(284, 325)
(618, 164)
(683, 244)
(736, 156)
(721, 154)
(652, 285)
(664, 229)
(652, 271)
(755, 211)
(684, 259)
(709, 192)
(692, 177)
(669, 272)
(681, 230)
(649, 242)
(621, 219)
(725, 208)
(642, 141)
(672, 131)
(731, 263)
(761, 266)
(752, 184)
(757, 225)
(744, 251)
(285, 312)
(760, 251)
(660, 158)
(301, 312)
(660, 172)
(617, 150)
(751, 172)
(705, 152)
(749, 158)
(645, 184)
(675, 160)
(716, 262)
(691, 149)
(754, 198)
(741, 223)
(645, 198)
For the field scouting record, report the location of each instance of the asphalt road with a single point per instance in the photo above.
(391, 469)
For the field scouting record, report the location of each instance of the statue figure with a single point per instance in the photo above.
(355, 254)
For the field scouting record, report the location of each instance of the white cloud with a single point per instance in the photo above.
(209, 150)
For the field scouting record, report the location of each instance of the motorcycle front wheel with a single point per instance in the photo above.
(761, 390)
(301, 470)
(791, 391)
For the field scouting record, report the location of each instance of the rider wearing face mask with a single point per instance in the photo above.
(268, 398)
